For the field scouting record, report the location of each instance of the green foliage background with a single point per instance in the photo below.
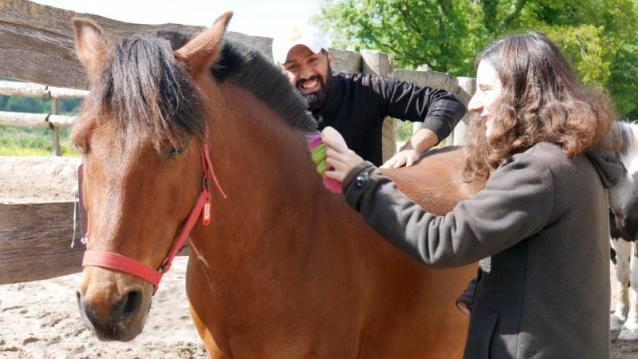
(600, 37)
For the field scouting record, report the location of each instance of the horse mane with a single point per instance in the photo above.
(146, 91)
(251, 70)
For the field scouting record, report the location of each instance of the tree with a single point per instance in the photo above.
(598, 36)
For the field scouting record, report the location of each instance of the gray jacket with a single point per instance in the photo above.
(540, 230)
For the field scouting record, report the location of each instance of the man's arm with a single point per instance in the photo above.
(439, 110)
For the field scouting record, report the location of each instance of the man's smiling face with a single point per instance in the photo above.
(309, 73)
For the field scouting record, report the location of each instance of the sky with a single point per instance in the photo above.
(253, 17)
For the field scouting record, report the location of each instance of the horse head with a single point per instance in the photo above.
(624, 204)
(142, 135)
(623, 196)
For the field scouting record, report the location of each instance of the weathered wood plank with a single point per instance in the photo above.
(34, 120)
(35, 242)
(61, 120)
(9, 88)
(381, 64)
(430, 78)
(346, 61)
(36, 43)
(60, 92)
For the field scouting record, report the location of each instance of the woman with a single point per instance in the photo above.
(540, 226)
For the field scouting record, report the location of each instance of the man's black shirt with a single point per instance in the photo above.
(357, 104)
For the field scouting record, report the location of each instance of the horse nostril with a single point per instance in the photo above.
(133, 303)
(127, 306)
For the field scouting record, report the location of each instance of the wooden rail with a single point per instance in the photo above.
(52, 120)
(36, 238)
(35, 120)
(10, 88)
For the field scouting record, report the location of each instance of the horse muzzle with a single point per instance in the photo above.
(118, 317)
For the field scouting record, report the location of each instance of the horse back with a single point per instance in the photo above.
(436, 181)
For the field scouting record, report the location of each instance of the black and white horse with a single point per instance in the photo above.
(623, 200)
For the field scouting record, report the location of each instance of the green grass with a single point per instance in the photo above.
(15, 141)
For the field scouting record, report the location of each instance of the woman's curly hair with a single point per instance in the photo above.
(542, 100)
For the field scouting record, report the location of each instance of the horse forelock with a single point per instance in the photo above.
(145, 91)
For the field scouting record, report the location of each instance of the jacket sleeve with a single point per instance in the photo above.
(439, 109)
(516, 203)
(467, 297)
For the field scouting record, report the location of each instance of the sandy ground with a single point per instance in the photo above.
(37, 179)
(41, 319)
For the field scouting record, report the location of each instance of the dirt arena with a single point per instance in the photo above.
(41, 319)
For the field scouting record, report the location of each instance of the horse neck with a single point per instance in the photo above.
(265, 169)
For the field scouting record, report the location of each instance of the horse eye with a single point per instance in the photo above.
(176, 151)
(81, 148)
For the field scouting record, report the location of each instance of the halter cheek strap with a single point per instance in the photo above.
(118, 262)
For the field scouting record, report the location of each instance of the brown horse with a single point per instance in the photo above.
(286, 269)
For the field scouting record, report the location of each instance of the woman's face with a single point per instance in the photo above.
(488, 90)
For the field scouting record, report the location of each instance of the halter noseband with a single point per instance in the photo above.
(118, 262)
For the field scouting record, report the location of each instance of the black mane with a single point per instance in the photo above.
(250, 69)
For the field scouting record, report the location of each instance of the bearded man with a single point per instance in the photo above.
(356, 104)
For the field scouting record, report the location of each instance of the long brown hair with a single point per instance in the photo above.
(542, 100)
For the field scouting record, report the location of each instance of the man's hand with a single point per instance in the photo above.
(339, 157)
(421, 141)
(406, 158)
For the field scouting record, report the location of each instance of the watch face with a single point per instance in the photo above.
(361, 181)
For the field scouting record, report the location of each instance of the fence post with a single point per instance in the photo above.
(55, 130)
(417, 125)
(381, 64)
(468, 85)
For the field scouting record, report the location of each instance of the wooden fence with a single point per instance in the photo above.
(36, 45)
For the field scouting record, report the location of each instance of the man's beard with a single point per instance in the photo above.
(315, 100)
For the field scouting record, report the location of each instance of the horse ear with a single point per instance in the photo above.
(90, 44)
(202, 51)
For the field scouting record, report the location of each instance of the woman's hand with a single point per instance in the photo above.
(339, 158)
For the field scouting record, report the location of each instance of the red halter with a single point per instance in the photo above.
(124, 264)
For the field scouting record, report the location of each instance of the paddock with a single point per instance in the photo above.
(38, 268)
